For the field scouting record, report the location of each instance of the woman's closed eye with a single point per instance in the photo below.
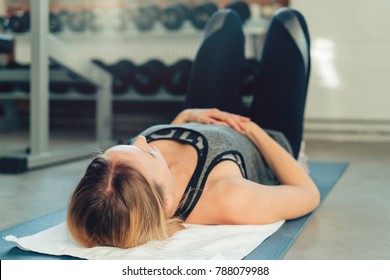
(150, 153)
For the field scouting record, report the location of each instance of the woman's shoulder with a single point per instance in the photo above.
(216, 191)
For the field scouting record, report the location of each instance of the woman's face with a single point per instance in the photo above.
(144, 157)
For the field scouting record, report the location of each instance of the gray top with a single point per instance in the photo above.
(215, 143)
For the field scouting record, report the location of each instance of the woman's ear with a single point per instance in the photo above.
(168, 202)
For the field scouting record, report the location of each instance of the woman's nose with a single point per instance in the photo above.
(140, 141)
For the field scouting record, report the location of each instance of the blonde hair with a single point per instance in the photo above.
(114, 205)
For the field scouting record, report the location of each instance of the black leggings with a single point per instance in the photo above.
(280, 92)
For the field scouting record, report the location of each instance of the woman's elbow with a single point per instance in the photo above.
(315, 197)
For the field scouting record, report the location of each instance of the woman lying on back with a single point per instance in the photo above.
(209, 166)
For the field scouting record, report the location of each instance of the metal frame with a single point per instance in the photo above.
(39, 104)
(44, 45)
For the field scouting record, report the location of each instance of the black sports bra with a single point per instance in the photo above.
(206, 162)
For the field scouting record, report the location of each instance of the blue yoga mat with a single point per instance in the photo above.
(275, 247)
(325, 175)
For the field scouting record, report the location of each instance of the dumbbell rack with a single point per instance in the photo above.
(253, 29)
(44, 46)
(58, 51)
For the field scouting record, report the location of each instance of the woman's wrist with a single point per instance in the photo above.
(255, 133)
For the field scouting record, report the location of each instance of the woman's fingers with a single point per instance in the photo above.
(216, 116)
(235, 121)
(205, 120)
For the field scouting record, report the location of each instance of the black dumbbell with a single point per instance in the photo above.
(201, 14)
(19, 23)
(64, 16)
(96, 23)
(148, 77)
(117, 86)
(173, 17)
(3, 24)
(145, 17)
(122, 74)
(242, 10)
(252, 70)
(80, 21)
(111, 20)
(55, 23)
(177, 76)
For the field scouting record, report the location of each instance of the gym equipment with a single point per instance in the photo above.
(149, 76)
(252, 70)
(108, 19)
(95, 22)
(172, 18)
(55, 24)
(43, 47)
(242, 9)
(145, 17)
(19, 23)
(122, 74)
(3, 24)
(64, 16)
(201, 14)
(177, 76)
(80, 21)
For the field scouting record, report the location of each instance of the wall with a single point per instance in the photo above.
(350, 83)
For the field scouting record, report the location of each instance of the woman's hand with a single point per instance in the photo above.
(212, 116)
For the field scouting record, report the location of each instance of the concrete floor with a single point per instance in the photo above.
(352, 223)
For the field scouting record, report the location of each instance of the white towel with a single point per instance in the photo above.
(193, 243)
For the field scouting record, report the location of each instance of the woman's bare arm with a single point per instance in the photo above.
(286, 169)
(247, 202)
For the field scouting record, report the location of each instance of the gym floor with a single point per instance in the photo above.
(352, 223)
